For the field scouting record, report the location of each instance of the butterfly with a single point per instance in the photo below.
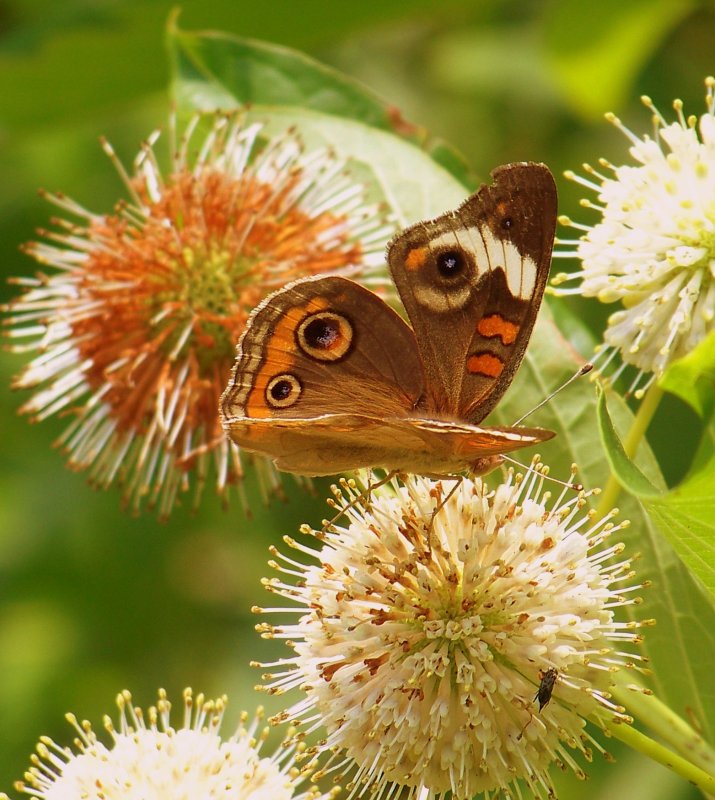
(329, 378)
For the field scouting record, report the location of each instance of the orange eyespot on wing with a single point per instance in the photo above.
(325, 336)
(281, 358)
(496, 325)
(485, 364)
(283, 391)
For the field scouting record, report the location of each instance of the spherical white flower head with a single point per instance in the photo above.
(432, 621)
(155, 761)
(654, 246)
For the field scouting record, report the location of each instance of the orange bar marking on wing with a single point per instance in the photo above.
(496, 325)
(280, 354)
(485, 364)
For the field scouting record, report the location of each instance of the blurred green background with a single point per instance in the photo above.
(93, 601)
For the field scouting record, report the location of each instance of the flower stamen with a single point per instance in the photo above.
(653, 248)
(423, 638)
(135, 330)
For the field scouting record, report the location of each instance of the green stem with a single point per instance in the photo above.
(641, 421)
(644, 744)
(671, 728)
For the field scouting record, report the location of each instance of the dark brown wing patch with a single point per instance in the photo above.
(472, 282)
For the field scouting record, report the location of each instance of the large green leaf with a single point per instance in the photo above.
(625, 470)
(692, 377)
(215, 70)
(681, 646)
(685, 515)
(412, 185)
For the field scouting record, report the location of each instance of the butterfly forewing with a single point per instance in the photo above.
(324, 345)
(472, 282)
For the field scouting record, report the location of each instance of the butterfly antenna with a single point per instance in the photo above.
(584, 370)
(537, 467)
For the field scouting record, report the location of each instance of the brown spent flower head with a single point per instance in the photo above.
(455, 641)
(134, 331)
(149, 759)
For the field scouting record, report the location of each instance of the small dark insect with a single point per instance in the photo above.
(546, 687)
(543, 693)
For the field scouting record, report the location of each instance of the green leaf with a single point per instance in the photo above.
(681, 646)
(625, 470)
(685, 515)
(705, 449)
(213, 66)
(412, 185)
(214, 70)
(692, 378)
(603, 46)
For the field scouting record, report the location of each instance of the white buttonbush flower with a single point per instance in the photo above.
(455, 641)
(653, 248)
(148, 758)
(133, 328)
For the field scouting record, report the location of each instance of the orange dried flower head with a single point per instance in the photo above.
(134, 330)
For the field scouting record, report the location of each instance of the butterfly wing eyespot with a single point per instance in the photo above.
(325, 336)
(283, 391)
(443, 276)
(450, 263)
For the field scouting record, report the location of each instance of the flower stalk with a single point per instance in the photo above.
(654, 714)
(683, 767)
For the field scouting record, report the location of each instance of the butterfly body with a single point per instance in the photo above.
(328, 378)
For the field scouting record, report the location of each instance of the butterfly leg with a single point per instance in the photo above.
(443, 502)
(362, 497)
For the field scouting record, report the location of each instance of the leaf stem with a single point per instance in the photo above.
(652, 712)
(649, 747)
(641, 421)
